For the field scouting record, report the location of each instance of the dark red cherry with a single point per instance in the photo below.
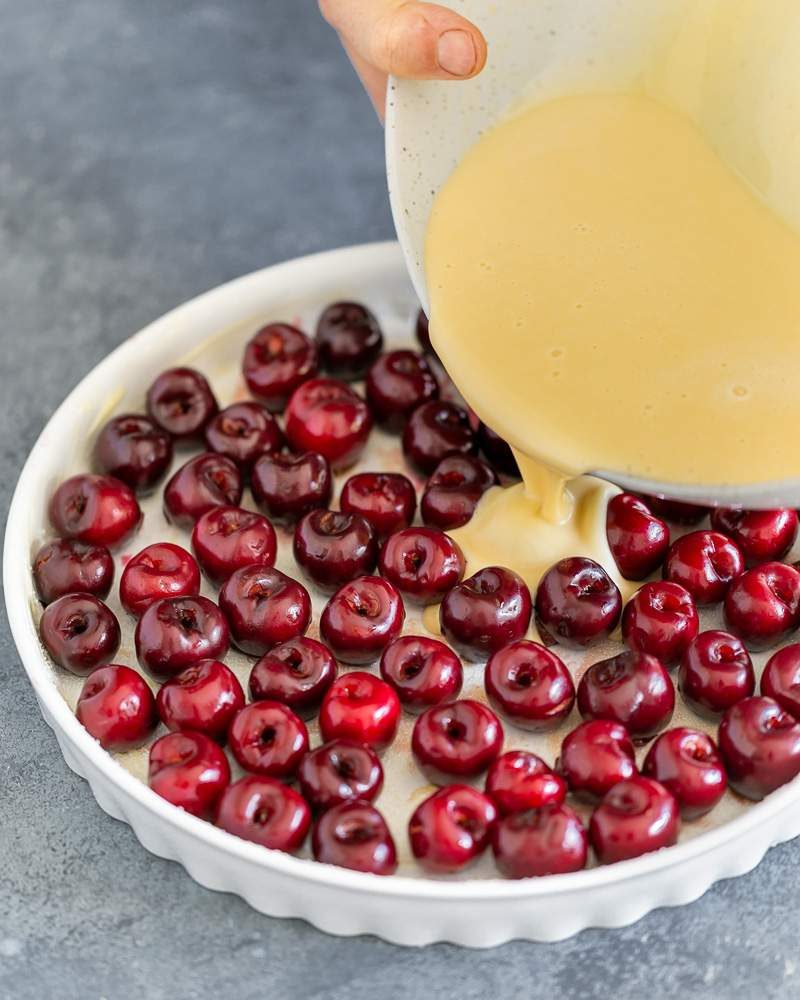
(354, 835)
(454, 489)
(715, 672)
(423, 671)
(288, 486)
(760, 744)
(762, 535)
(225, 539)
(348, 339)
(660, 619)
(638, 540)
(176, 632)
(243, 432)
(333, 547)
(497, 452)
(423, 333)
(133, 449)
(264, 811)
(276, 360)
(181, 402)
(361, 619)
(781, 678)
(595, 756)
(632, 688)
(98, 510)
(529, 685)
(117, 708)
(577, 603)
(386, 499)
(360, 707)
(159, 570)
(264, 608)
(296, 673)
(550, 840)
(67, 566)
(80, 633)
(203, 698)
(327, 416)
(676, 511)
(423, 563)
(705, 563)
(451, 828)
(268, 738)
(519, 780)
(636, 816)
(190, 771)
(486, 612)
(457, 739)
(396, 384)
(340, 771)
(434, 430)
(204, 482)
(687, 763)
(762, 605)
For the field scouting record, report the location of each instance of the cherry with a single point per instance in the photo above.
(329, 417)
(638, 540)
(205, 481)
(636, 816)
(159, 570)
(595, 756)
(454, 489)
(396, 384)
(117, 708)
(529, 685)
(423, 672)
(577, 603)
(80, 633)
(762, 535)
(133, 449)
(485, 612)
(296, 673)
(361, 619)
(334, 547)
(340, 771)
(686, 762)
(715, 672)
(348, 339)
(360, 707)
(660, 619)
(781, 678)
(181, 402)
(276, 360)
(451, 828)
(436, 429)
(760, 744)
(190, 771)
(763, 604)
(550, 840)
(386, 499)
(458, 739)
(176, 632)
(676, 511)
(225, 539)
(423, 563)
(67, 566)
(632, 688)
(288, 486)
(268, 738)
(264, 608)
(98, 510)
(354, 835)
(519, 780)
(264, 811)
(203, 697)
(497, 452)
(423, 333)
(243, 432)
(705, 563)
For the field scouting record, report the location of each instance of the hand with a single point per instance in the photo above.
(421, 41)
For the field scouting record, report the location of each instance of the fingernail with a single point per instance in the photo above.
(455, 52)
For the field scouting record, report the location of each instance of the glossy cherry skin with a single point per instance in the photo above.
(265, 812)
(225, 539)
(451, 828)
(577, 603)
(497, 452)
(348, 340)
(423, 671)
(361, 619)
(333, 547)
(181, 402)
(636, 816)
(67, 566)
(117, 708)
(190, 771)
(397, 383)
(762, 535)
(243, 432)
(550, 840)
(268, 738)
(340, 771)
(204, 482)
(762, 606)
(705, 563)
(354, 835)
(329, 417)
(687, 763)
(435, 429)
(485, 612)
(595, 756)
(454, 489)
(638, 540)
(423, 333)
(519, 780)
(360, 707)
(159, 570)
(632, 688)
(715, 672)
(781, 678)
(386, 499)
(276, 360)
(296, 673)
(423, 563)
(529, 686)
(760, 744)
(660, 619)
(287, 486)
(176, 632)
(80, 633)
(676, 511)
(264, 608)
(134, 449)
(204, 698)
(98, 510)
(458, 739)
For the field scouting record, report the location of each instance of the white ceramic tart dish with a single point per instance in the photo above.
(476, 909)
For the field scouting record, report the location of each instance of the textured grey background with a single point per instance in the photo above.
(150, 149)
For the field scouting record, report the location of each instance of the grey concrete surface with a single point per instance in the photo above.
(150, 149)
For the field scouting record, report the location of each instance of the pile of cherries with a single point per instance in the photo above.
(373, 559)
